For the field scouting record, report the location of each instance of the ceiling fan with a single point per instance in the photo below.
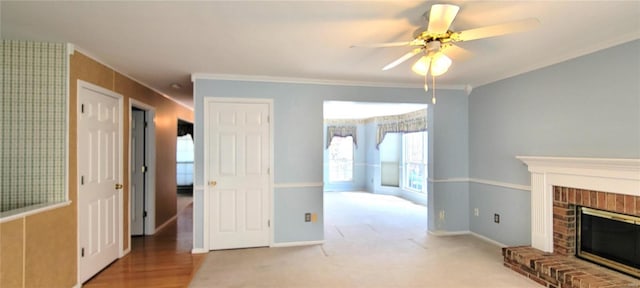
(437, 38)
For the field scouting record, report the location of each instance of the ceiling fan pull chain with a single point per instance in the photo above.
(433, 89)
(426, 87)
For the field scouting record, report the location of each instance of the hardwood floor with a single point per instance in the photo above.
(161, 260)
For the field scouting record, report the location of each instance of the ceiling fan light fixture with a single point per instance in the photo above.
(440, 64)
(421, 67)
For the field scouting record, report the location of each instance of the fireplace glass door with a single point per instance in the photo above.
(609, 239)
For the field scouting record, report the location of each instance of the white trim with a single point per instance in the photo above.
(297, 243)
(558, 58)
(482, 181)
(487, 239)
(315, 81)
(448, 233)
(94, 58)
(501, 184)
(449, 180)
(70, 49)
(441, 233)
(621, 176)
(298, 185)
(199, 251)
(150, 158)
(272, 153)
(30, 210)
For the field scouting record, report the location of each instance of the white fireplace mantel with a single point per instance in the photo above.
(620, 176)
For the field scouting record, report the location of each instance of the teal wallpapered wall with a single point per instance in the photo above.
(34, 123)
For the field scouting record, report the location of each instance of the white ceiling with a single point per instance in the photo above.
(365, 110)
(159, 43)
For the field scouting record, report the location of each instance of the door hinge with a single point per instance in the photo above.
(268, 119)
(82, 252)
(81, 180)
(144, 169)
(146, 124)
(144, 214)
(268, 171)
(81, 108)
(268, 223)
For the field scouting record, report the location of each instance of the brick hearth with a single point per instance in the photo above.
(561, 269)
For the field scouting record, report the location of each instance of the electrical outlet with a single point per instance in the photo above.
(476, 212)
(441, 215)
(307, 217)
(496, 218)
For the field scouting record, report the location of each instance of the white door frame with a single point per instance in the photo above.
(207, 189)
(86, 85)
(150, 176)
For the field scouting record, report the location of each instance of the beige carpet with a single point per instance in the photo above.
(371, 241)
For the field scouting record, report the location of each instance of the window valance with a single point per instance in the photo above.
(342, 131)
(406, 123)
(342, 128)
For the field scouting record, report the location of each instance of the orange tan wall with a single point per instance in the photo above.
(40, 250)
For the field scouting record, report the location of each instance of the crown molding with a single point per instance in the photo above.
(598, 46)
(97, 59)
(315, 81)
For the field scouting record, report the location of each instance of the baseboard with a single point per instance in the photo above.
(448, 233)
(199, 251)
(453, 233)
(299, 243)
(487, 239)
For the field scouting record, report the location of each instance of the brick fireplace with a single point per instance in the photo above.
(564, 218)
(557, 186)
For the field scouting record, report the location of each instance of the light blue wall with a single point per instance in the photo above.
(585, 107)
(298, 143)
(450, 148)
(372, 157)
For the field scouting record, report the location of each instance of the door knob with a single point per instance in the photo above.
(213, 183)
(118, 186)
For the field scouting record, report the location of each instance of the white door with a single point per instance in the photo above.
(238, 164)
(99, 172)
(138, 169)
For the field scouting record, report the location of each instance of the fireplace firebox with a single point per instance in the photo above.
(608, 238)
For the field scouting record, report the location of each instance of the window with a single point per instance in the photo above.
(184, 159)
(341, 159)
(415, 161)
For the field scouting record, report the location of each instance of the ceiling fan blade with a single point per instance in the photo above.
(383, 45)
(457, 53)
(440, 17)
(496, 30)
(404, 57)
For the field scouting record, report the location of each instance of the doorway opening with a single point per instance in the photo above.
(184, 165)
(380, 148)
(375, 152)
(141, 169)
